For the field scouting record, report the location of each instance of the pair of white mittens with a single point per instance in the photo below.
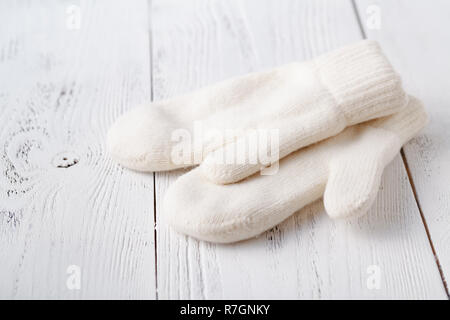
(306, 102)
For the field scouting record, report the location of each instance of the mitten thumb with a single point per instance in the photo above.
(355, 172)
(352, 185)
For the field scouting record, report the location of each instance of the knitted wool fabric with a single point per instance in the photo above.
(307, 102)
(346, 170)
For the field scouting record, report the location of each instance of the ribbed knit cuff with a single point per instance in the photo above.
(406, 123)
(362, 81)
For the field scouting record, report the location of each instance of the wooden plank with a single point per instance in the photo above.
(63, 82)
(415, 36)
(308, 256)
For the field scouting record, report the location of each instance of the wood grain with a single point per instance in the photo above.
(63, 202)
(308, 256)
(415, 35)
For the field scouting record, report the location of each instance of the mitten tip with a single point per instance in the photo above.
(338, 209)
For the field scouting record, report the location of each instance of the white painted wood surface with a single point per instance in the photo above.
(60, 90)
(416, 36)
(61, 87)
(308, 256)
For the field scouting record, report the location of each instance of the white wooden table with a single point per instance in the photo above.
(69, 68)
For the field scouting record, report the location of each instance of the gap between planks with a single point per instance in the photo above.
(155, 226)
(424, 221)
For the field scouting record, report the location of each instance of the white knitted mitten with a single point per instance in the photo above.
(307, 102)
(345, 170)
